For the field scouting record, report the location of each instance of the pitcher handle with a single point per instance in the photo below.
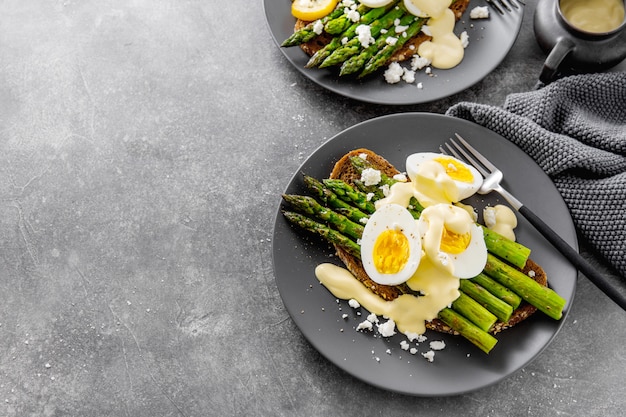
(554, 60)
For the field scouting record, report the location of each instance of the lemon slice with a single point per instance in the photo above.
(375, 3)
(310, 10)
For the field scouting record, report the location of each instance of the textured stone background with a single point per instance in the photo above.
(143, 148)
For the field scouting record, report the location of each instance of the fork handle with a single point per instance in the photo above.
(574, 257)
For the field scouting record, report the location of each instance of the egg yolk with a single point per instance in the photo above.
(391, 252)
(454, 243)
(455, 170)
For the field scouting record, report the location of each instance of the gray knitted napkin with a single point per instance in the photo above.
(575, 129)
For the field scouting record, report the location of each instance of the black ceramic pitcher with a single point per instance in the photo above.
(573, 50)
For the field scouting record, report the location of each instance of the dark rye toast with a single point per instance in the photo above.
(345, 171)
(406, 52)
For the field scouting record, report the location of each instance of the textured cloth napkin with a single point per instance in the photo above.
(575, 129)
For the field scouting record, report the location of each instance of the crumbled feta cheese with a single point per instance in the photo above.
(464, 39)
(385, 190)
(419, 62)
(344, 316)
(370, 176)
(365, 325)
(344, 40)
(318, 27)
(387, 329)
(413, 351)
(426, 30)
(391, 40)
(404, 345)
(364, 35)
(348, 3)
(489, 216)
(408, 76)
(401, 28)
(372, 318)
(437, 345)
(363, 220)
(353, 15)
(479, 12)
(369, 197)
(430, 355)
(388, 351)
(428, 70)
(420, 85)
(532, 273)
(353, 303)
(400, 177)
(394, 73)
(416, 337)
(363, 156)
(383, 31)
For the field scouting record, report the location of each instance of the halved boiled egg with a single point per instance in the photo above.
(390, 246)
(452, 240)
(465, 177)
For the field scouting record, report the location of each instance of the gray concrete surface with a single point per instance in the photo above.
(143, 149)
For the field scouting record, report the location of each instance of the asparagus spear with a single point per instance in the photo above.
(471, 309)
(544, 298)
(499, 308)
(467, 329)
(356, 62)
(326, 232)
(509, 250)
(348, 34)
(385, 54)
(347, 193)
(353, 46)
(338, 25)
(309, 206)
(498, 290)
(331, 200)
(307, 33)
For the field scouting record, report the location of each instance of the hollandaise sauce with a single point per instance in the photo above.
(409, 312)
(445, 50)
(595, 16)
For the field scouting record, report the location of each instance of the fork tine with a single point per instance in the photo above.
(493, 4)
(467, 157)
(476, 154)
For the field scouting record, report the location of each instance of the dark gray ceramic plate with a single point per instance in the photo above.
(460, 367)
(490, 41)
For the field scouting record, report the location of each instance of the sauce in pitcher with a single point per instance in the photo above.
(595, 16)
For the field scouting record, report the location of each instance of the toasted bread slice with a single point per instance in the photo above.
(344, 170)
(406, 52)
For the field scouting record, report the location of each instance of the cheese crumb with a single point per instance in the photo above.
(364, 35)
(394, 73)
(404, 345)
(437, 345)
(353, 303)
(370, 176)
(387, 329)
(419, 62)
(464, 39)
(430, 355)
(352, 14)
(400, 177)
(479, 12)
(365, 325)
(372, 318)
(318, 27)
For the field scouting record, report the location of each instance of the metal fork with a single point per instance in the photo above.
(492, 177)
(505, 5)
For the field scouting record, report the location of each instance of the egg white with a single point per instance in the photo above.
(414, 161)
(390, 216)
(466, 264)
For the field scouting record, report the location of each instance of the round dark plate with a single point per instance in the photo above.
(460, 367)
(490, 41)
